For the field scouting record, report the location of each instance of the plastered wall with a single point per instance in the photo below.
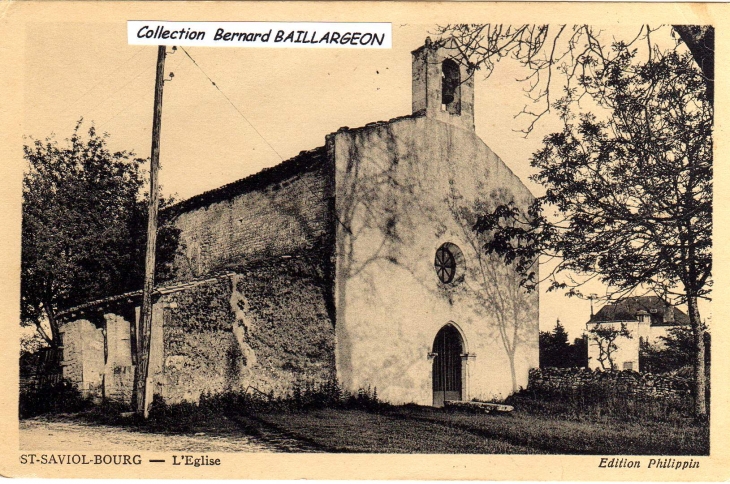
(627, 348)
(83, 356)
(97, 358)
(118, 369)
(403, 189)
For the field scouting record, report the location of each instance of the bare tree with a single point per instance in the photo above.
(605, 336)
(562, 53)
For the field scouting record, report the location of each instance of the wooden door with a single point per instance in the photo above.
(447, 377)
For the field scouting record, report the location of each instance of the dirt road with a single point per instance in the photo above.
(39, 434)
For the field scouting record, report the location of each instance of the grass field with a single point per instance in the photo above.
(417, 429)
(424, 429)
(316, 421)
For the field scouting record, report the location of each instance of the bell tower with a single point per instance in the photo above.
(443, 89)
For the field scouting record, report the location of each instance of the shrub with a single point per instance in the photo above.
(598, 400)
(186, 416)
(304, 396)
(58, 397)
(178, 417)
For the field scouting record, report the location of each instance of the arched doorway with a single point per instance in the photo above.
(448, 348)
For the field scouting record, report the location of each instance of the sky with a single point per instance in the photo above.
(288, 99)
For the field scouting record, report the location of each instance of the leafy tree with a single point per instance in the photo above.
(546, 359)
(31, 343)
(550, 53)
(605, 336)
(554, 347)
(580, 352)
(557, 352)
(675, 351)
(560, 336)
(628, 189)
(83, 227)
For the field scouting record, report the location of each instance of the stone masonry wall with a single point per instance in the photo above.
(266, 327)
(118, 371)
(273, 213)
(624, 382)
(198, 340)
(285, 330)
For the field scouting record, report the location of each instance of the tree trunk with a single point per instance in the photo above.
(700, 403)
(700, 40)
(55, 333)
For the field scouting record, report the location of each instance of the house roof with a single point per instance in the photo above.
(662, 314)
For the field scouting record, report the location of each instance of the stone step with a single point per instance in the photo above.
(482, 407)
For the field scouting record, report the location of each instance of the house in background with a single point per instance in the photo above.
(353, 261)
(647, 319)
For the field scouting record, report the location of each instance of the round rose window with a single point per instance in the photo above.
(448, 263)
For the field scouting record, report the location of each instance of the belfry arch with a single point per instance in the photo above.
(451, 86)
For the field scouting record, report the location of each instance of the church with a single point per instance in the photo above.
(355, 262)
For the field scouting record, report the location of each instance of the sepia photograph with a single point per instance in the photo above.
(378, 234)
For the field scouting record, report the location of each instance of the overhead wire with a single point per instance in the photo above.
(143, 71)
(127, 106)
(257, 131)
(231, 103)
(134, 101)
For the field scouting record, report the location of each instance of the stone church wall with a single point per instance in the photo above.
(270, 327)
(197, 341)
(266, 327)
(278, 211)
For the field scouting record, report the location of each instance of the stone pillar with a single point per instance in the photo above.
(119, 372)
(83, 356)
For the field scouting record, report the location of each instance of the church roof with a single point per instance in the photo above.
(628, 309)
(305, 161)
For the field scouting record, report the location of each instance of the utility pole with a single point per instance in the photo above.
(141, 373)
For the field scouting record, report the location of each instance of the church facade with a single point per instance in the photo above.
(355, 262)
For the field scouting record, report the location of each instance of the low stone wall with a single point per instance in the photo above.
(555, 380)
